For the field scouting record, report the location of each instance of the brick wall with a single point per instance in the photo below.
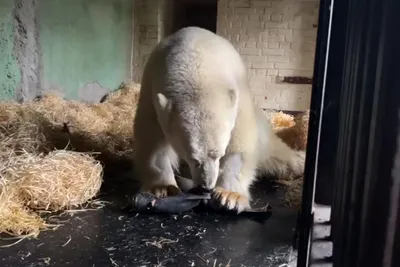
(275, 37)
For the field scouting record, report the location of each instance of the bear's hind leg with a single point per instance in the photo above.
(281, 160)
(234, 181)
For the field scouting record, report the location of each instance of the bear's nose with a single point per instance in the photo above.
(199, 190)
(206, 187)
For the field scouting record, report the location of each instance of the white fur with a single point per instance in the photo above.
(195, 105)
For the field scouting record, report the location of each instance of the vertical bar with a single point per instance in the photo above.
(132, 69)
(317, 100)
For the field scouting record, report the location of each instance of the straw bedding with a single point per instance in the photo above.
(31, 183)
(105, 128)
(34, 179)
(40, 166)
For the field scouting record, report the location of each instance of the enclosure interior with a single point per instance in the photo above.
(84, 50)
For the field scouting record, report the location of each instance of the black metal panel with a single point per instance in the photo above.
(368, 128)
(305, 219)
(395, 257)
(329, 126)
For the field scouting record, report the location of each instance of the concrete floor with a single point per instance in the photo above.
(108, 237)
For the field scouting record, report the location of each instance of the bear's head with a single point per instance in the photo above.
(199, 127)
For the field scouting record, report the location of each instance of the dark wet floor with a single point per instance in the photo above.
(108, 237)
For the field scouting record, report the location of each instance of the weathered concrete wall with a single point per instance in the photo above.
(81, 48)
(10, 75)
(147, 30)
(86, 45)
(26, 48)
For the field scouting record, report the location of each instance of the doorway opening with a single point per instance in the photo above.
(200, 13)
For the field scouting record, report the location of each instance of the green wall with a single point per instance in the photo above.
(9, 72)
(81, 43)
(85, 41)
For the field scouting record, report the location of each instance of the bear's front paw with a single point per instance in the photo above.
(230, 200)
(162, 190)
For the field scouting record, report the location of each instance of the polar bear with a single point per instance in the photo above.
(195, 105)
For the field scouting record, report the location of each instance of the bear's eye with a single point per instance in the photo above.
(197, 163)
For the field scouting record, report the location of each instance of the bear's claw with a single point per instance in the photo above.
(230, 200)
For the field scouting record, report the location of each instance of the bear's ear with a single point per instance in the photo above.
(164, 102)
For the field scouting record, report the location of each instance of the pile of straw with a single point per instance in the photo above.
(105, 128)
(33, 183)
(61, 179)
(296, 135)
(33, 179)
(293, 130)
(279, 120)
(37, 174)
